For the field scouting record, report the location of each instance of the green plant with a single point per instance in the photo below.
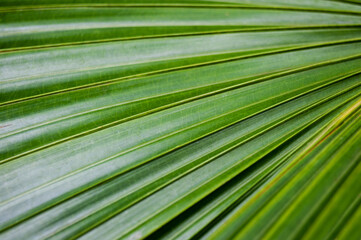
(179, 119)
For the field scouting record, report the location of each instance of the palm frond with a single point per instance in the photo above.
(203, 119)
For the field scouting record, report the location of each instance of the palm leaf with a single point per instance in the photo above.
(203, 119)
